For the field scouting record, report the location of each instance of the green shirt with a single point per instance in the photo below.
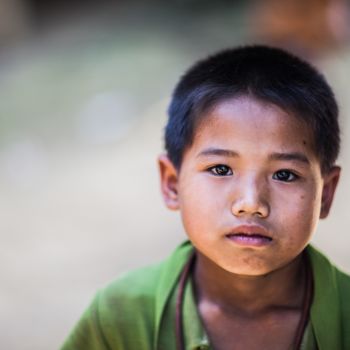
(137, 311)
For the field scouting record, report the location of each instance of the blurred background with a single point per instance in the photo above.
(84, 89)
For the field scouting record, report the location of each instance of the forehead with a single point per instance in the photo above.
(248, 122)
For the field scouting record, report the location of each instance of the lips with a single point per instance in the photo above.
(250, 235)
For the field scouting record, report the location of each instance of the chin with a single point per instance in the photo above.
(249, 268)
(253, 272)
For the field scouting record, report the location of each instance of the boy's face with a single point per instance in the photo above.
(250, 188)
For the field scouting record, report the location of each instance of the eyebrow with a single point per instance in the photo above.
(217, 152)
(291, 156)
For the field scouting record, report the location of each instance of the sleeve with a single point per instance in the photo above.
(88, 333)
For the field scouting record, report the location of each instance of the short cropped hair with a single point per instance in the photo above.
(265, 73)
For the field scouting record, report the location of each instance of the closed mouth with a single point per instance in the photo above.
(248, 236)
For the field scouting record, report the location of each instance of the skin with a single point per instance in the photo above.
(251, 167)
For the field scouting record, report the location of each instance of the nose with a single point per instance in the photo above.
(251, 199)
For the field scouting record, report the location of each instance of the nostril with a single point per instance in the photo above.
(259, 208)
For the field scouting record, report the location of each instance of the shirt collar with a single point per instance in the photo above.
(195, 336)
(168, 279)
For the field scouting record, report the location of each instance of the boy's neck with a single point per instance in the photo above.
(249, 295)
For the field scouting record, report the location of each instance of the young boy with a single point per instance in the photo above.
(252, 139)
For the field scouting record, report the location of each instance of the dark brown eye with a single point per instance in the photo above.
(284, 175)
(221, 170)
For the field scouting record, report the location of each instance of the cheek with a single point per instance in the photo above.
(201, 205)
(301, 212)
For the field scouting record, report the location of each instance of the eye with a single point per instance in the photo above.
(221, 170)
(284, 175)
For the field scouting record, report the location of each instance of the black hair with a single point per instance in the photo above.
(268, 74)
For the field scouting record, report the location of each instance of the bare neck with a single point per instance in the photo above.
(249, 295)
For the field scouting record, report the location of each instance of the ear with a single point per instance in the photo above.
(329, 186)
(168, 182)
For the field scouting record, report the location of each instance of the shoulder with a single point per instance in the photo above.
(125, 314)
(329, 274)
(133, 304)
(143, 285)
(119, 316)
(133, 285)
(125, 308)
(343, 281)
(331, 304)
(343, 286)
(322, 265)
